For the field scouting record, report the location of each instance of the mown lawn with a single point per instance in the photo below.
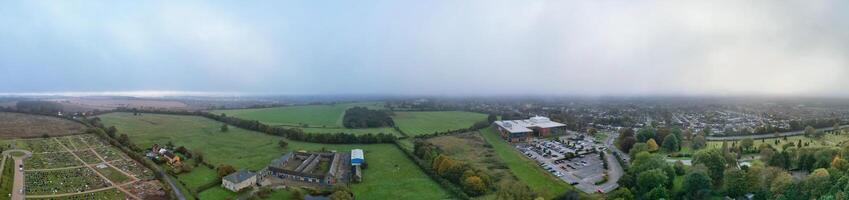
(391, 175)
(418, 123)
(526, 170)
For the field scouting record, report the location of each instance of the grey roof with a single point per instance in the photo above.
(522, 126)
(280, 161)
(239, 176)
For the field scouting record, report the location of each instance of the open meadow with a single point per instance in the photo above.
(418, 123)
(310, 118)
(16, 125)
(391, 175)
(319, 116)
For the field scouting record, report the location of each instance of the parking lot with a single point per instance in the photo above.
(573, 160)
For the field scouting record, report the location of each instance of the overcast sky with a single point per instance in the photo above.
(428, 47)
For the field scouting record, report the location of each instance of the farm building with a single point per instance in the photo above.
(522, 130)
(357, 157)
(238, 180)
(322, 169)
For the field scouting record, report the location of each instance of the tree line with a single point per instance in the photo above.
(361, 117)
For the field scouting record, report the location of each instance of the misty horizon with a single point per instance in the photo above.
(439, 48)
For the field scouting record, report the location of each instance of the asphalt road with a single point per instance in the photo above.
(614, 170)
(170, 181)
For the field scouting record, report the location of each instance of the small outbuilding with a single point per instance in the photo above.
(239, 180)
(357, 157)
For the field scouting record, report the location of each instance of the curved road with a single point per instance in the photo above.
(170, 181)
(614, 170)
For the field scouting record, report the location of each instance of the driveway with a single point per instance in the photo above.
(18, 181)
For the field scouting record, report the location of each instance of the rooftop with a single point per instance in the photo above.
(239, 176)
(522, 126)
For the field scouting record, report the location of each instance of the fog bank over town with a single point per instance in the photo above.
(716, 48)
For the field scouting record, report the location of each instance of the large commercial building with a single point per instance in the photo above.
(522, 130)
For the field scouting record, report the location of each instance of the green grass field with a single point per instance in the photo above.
(391, 175)
(319, 116)
(526, 170)
(418, 123)
(238, 147)
(311, 118)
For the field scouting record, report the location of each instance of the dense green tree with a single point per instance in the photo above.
(715, 162)
(807, 161)
(648, 180)
(645, 161)
(697, 185)
(657, 193)
(679, 167)
(111, 131)
(644, 134)
(623, 193)
(224, 128)
(626, 140)
(671, 143)
(491, 118)
(735, 182)
(747, 144)
(818, 182)
(661, 134)
(698, 142)
(638, 147)
(782, 159)
(361, 117)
